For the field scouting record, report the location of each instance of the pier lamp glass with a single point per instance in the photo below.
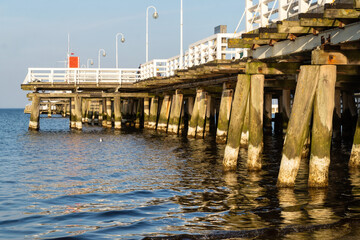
(155, 15)
(122, 39)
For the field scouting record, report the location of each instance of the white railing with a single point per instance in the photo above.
(201, 52)
(82, 75)
(259, 13)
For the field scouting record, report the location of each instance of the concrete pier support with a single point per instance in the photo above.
(117, 113)
(299, 122)
(256, 103)
(72, 114)
(34, 123)
(175, 114)
(78, 116)
(268, 112)
(108, 113)
(224, 115)
(236, 122)
(322, 127)
(194, 114)
(146, 112)
(164, 114)
(244, 141)
(152, 124)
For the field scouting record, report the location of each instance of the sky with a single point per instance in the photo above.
(34, 33)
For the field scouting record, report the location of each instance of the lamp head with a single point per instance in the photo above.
(122, 39)
(104, 54)
(155, 15)
(92, 62)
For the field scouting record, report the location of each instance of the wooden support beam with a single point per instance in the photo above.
(278, 36)
(117, 113)
(164, 114)
(298, 126)
(322, 127)
(357, 4)
(320, 22)
(343, 57)
(272, 68)
(34, 123)
(293, 27)
(224, 115)
(236, 122)
(246, 42)
(175, 114)
(342, 13)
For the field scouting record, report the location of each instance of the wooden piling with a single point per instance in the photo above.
(164, 114)
(268, 112)
(322, 127)
(194, 115)
(78, 115)
(108, 113)
(299, 122)
(285, 111)
(209, 114)
(139, 113)
(83, 109)
(236, 122)
(175, 114)
(244, 141)
(354, 161)
(117, 112)
(72, 114)
(153, 113)
(256, 103)
(337, 116)
(224, 115)
(146, 112)
(34, 123)
(203, 103)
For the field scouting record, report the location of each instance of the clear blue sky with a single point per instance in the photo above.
(33, 33)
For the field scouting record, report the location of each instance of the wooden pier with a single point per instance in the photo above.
(309, 64)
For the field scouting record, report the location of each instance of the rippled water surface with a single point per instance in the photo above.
(59, 183)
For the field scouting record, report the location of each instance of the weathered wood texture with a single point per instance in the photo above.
(34, 123)
(298, 124)
(322, 127)
(256, 103)
(236, 122)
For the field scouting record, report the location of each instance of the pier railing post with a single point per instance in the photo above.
(297, 130)
(34, 123)
(236, 122)
(224, 115)
(117, 112)
(322, 127)
(256, 103)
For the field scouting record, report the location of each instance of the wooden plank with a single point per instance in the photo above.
(279, 36)
(246, 43)
(320, 22)
(272, 68)
(342, 13)
(357, 4)
(293, 27)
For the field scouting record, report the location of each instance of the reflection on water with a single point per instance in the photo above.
(61, 183)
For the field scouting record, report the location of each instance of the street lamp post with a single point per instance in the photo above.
(122, 40)
(99, 59)
(155, 16)
(181, 64)
(91, 63)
